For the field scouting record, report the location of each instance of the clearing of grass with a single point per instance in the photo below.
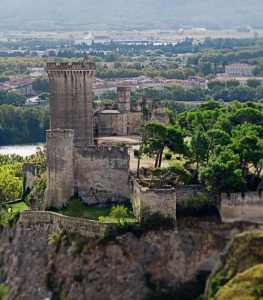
(96, 212)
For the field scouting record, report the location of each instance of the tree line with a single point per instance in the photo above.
(23, 125)
(224, 146)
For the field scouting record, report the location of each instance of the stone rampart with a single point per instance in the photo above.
(102, 173)
(83, 227)
(247, 207)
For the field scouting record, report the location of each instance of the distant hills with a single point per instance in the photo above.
(129, 14)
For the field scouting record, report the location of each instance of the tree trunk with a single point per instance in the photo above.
(139, 158)
(160, 159)
(260, 184)
(157, 159)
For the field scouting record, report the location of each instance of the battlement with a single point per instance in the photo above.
(86, 64)
(59, 132)
(104, 151)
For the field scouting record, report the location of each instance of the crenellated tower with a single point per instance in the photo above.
(71, 98)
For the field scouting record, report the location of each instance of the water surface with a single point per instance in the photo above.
(22, 150)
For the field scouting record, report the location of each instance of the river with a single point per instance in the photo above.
(22, 150)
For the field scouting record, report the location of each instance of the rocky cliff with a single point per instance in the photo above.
(71, 268)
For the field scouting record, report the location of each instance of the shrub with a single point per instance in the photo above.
(3, 291)
(119, 212)
(135, 152)
(168, 156)
(121, 144)
(6, 206)
(76, 206)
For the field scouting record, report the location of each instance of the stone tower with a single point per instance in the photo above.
(124, 94)
(71, 98)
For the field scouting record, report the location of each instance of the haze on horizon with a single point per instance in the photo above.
(129, 15)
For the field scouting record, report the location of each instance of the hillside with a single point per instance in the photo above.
(129, 15)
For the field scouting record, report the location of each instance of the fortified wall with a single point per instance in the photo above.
(236, 207)
(86, 228)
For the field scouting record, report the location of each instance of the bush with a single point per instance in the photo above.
(121, 144)
(119, 212)
(3, 291)
(168, 156)
(76, 205)
(135, 152)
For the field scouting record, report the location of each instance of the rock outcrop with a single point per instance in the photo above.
(33, 269)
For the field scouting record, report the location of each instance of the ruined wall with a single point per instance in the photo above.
(114, 123)
(28, 175)
(163, 201)
(102, 173)
(60, 167)
(238, 207)
(87, 228)
(71, 98)
(184, 192)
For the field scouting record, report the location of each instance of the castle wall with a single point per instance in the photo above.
(28, 175)
(237, 207)
(113, 124)
(184, 192)
(102, 173)
(86, 228)
(60, 167)
(163, 201)
(71, 98)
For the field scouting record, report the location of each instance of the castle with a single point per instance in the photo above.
(74, 163)
(122, 118)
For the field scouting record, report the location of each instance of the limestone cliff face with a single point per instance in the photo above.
(35, 270)
(230, 274)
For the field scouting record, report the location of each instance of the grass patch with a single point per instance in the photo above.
(94, 212)
(19, 206)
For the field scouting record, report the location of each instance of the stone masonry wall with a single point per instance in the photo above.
(102, 173)
(237, 207)
(28, 175)
(164, 200)
(60, 167)
(87, 228)
(184, 192)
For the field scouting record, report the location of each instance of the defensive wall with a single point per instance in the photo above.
(83, 227)
(162, 200)
(96, 174)
(247, 207)
(30, 171)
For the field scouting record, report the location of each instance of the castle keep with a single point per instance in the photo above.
(74, 164)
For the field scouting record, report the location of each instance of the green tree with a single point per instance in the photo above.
(199, 145)
(222, 173)
(40, 84)
(253, 83)
(215, 83)
(232, 83)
